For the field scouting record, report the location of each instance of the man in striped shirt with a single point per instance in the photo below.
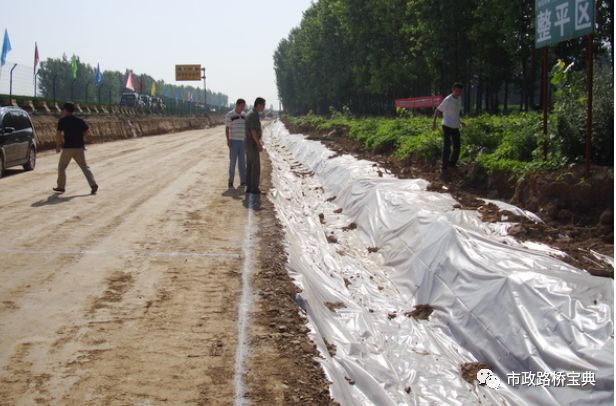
(235, 131)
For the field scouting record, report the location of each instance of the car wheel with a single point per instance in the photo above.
(31, 160)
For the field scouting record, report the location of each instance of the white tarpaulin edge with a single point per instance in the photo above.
(495, 300)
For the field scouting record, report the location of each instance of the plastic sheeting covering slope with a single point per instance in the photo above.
(495, 300)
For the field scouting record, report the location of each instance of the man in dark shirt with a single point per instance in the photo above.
(253, 146)
(75, 131)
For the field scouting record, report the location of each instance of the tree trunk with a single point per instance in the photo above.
(531, 82)
(523, 87)
(506, 108)
(479, 92)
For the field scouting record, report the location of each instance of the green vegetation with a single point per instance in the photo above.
(570, 113)
(496, 143)
(364, 54)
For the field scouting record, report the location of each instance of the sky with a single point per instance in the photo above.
(234, 40)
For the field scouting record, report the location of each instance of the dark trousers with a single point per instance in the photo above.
(253, 168)
(450, 134)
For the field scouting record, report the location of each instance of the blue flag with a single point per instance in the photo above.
(166, 92)
(6, 47)
(177, 94)
(99, 75)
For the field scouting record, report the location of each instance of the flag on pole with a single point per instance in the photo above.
(36, 56)
(74, 67)
(189, 97)
(153, 89)
(166, 91)
(6, 47)
(98, 79)
(140, 84)
(129, 82)
(177, 94)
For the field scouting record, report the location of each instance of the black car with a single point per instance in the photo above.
(131, 99)
(17, 139)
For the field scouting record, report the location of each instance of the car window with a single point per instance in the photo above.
(7, 120)
(20, 120)
(25, 120)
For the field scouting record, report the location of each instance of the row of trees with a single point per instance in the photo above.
(364, 53)
(56, 82)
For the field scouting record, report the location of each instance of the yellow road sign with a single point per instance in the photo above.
(187, 72)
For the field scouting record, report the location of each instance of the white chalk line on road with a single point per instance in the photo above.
(243, 315)
(118, 253)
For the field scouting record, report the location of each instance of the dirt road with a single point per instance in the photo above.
(129, 297)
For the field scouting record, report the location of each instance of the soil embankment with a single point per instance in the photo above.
(577, 210)
(106, 128)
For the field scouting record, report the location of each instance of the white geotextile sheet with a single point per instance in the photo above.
(495, 299)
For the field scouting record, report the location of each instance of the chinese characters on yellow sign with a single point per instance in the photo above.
(187, 72)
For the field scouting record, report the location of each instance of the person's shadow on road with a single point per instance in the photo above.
(55, 198)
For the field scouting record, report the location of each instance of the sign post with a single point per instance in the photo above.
(544, 102)
(589, 53)
(204, 91)
(562, 20)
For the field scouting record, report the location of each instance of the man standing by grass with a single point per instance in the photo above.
(235, 131)
(450, 109)
(75, 132)
(254, 147)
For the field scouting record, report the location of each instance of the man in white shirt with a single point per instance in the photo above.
(450, 109)
(235, 131)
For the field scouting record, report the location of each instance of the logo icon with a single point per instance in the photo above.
(487, 377)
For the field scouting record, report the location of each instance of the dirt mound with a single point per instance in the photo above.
(106, 128)
(570, 196)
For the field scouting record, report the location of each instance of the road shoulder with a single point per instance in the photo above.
(283, 367)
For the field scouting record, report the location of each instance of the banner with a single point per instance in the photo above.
(419, 102)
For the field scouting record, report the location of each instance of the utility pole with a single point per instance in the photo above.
(11, 85)
(204, 91)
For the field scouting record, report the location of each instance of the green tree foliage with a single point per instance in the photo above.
(56, 82)
(570, 113)
(362, 54)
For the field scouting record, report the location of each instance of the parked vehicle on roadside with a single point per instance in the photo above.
(17, 139)
(146, 100)
(131, 99)
(158, 106)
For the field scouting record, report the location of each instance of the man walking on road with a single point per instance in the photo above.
(235, 131)
(75, 131)
(253, 147)
(450, 109)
